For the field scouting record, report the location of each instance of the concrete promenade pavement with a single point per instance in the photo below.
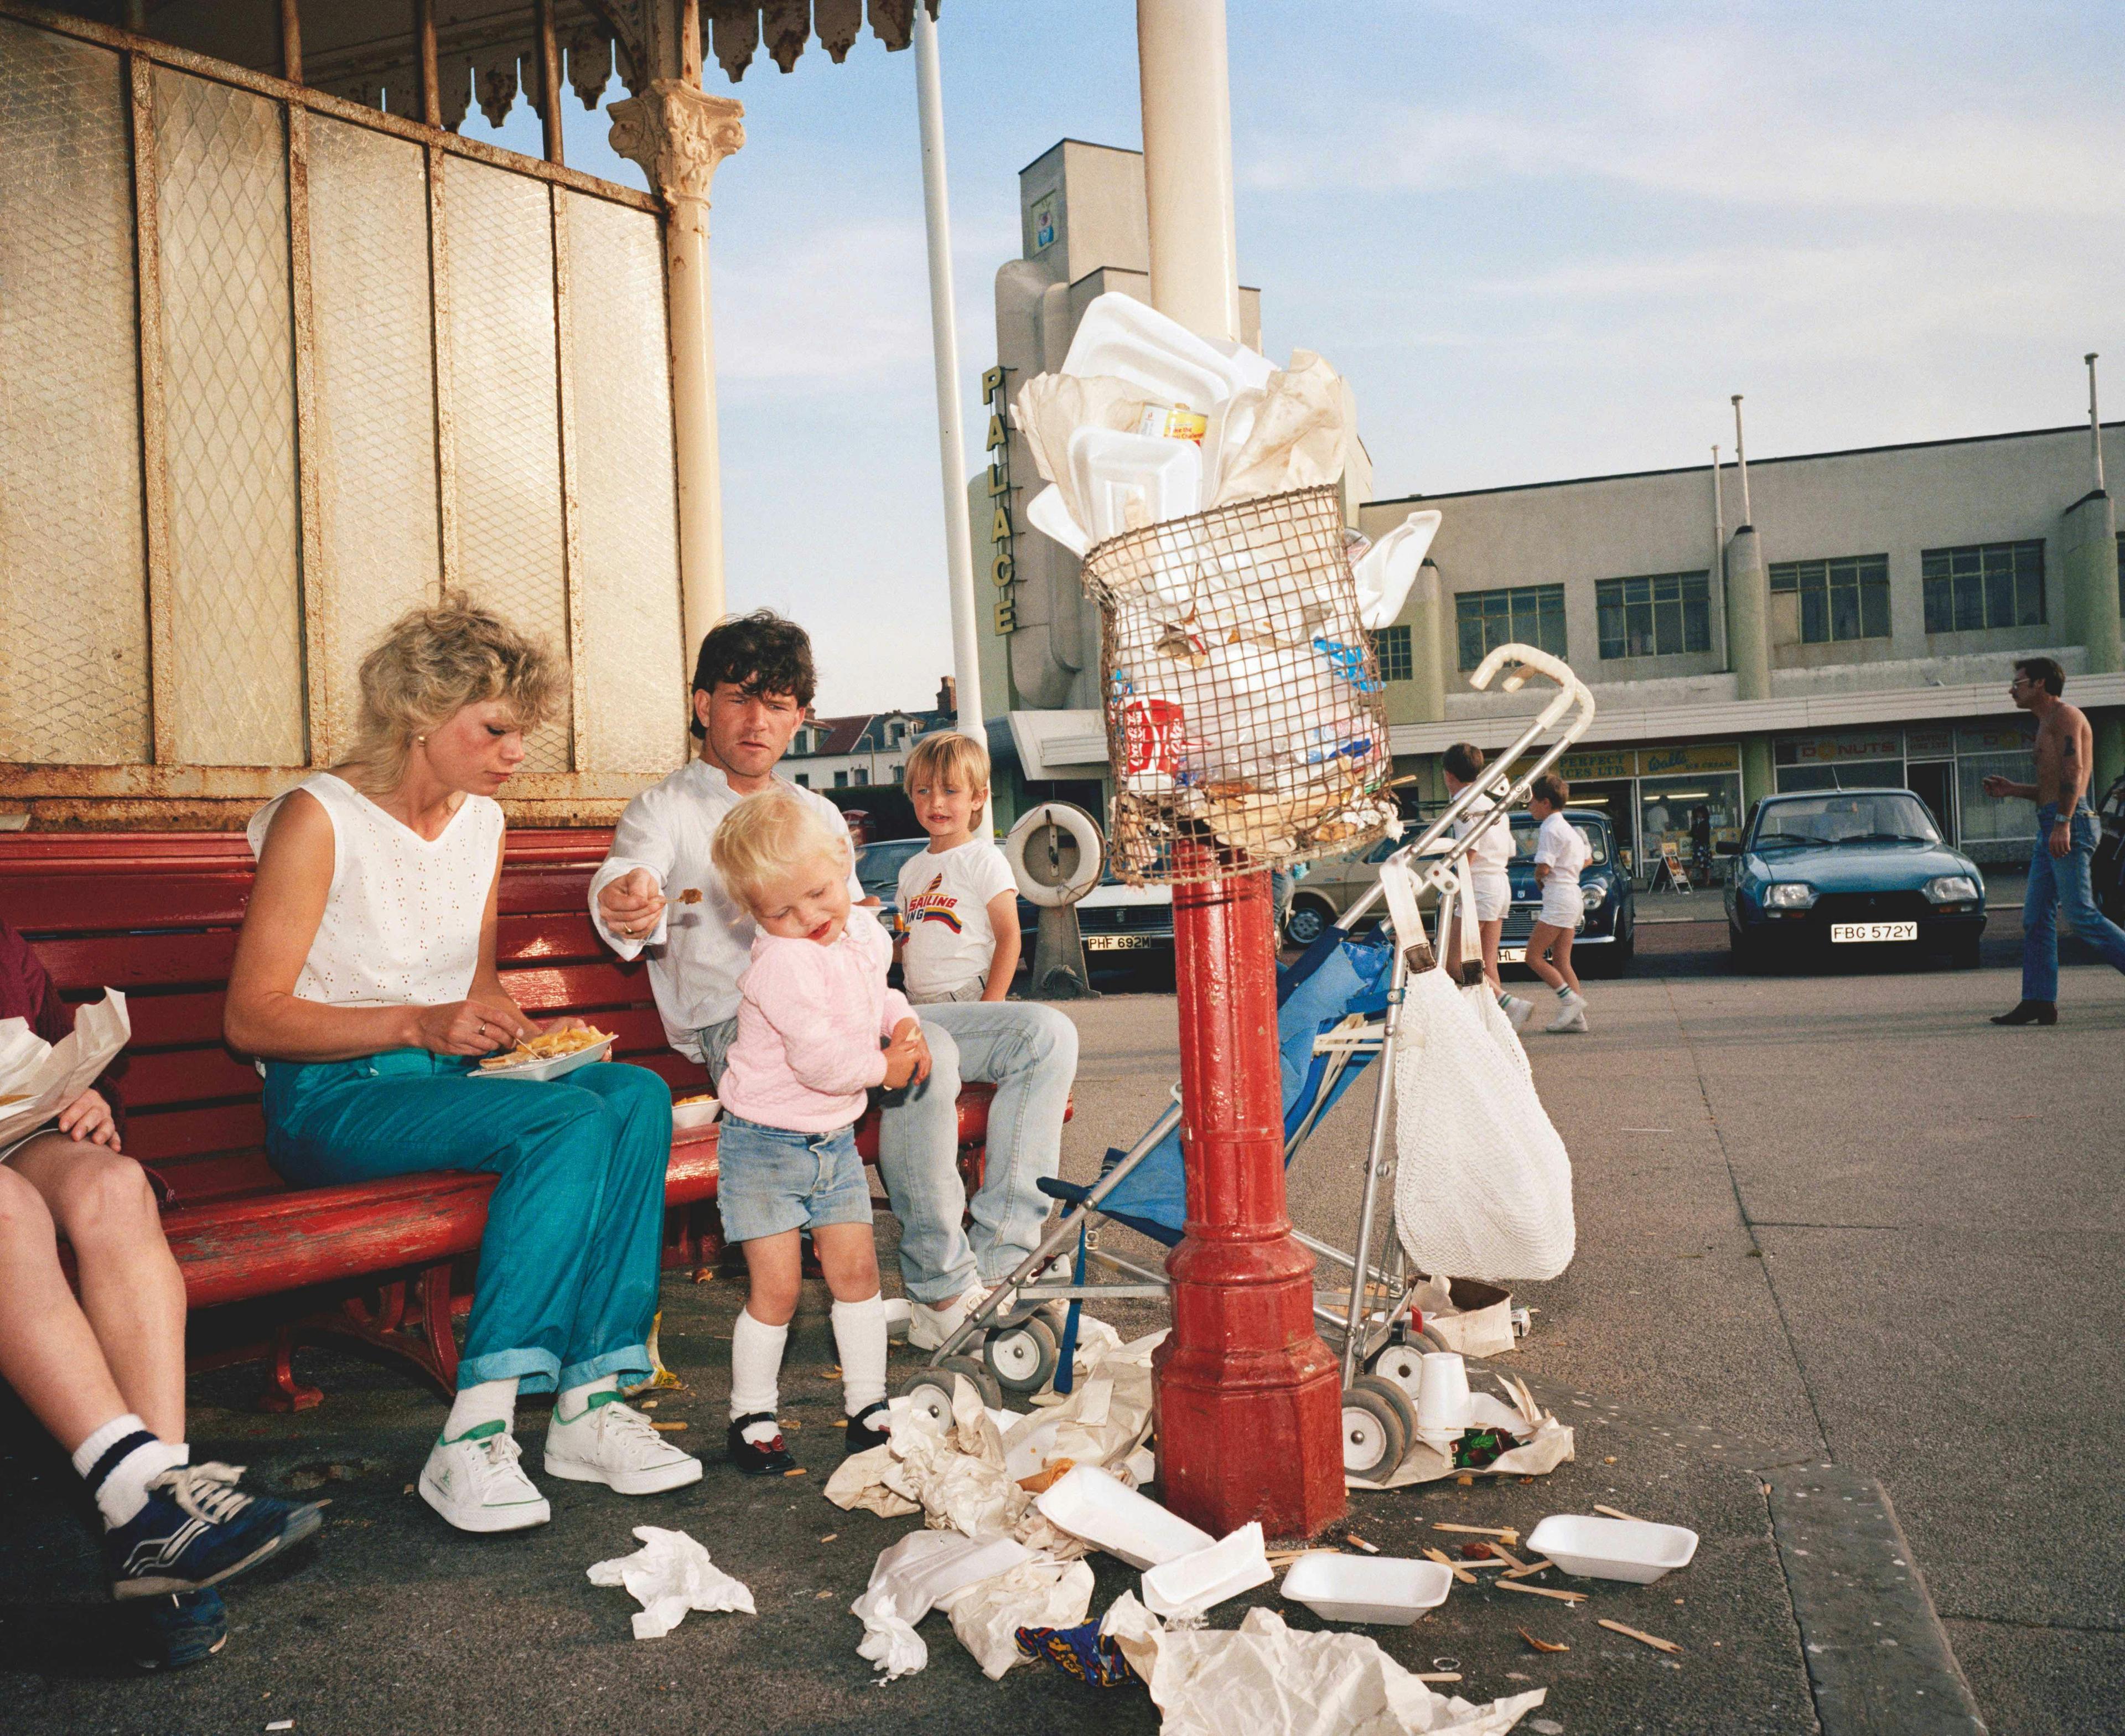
(1823, 1218)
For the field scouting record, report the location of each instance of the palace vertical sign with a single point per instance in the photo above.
(1003, 572)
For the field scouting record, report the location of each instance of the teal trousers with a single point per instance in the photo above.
(569, 1266)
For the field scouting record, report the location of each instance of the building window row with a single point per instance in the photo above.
(1985, 585)
(1659, 615)
(1837, 599)
(1390, 650)
(1531, 615)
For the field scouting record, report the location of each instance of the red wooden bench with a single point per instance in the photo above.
(388, 1262)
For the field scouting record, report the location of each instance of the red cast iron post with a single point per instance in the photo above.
(1250, 1401)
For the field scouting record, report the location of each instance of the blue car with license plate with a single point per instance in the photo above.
(1850, 871)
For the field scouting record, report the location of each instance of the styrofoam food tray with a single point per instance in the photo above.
(1195, 1583)
(1392, 1591)
(1089, 1504)
(535, 1071)
(694, 1115)
(1634, 1550)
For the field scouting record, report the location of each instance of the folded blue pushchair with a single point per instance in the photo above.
(1337, 1007)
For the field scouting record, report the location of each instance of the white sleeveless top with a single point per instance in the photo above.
(401, 924)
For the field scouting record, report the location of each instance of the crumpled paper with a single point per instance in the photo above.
(1270, 1681)
(670, 1575)
(38, 1079)
(1295, 439)
(907, 1581)
(1050, 408)
(987, 1615)
(1545, 1443)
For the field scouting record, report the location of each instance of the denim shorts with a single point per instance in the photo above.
(770, 1179)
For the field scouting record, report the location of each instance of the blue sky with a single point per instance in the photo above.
(1542, 240)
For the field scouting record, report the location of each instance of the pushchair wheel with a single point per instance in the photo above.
(929, 1391)
(1403, 1364)
(1404, 1403)
(1022, 1356)
(1374, 1442)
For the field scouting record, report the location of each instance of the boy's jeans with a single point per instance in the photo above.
(1029, 1052)
(2057, 881)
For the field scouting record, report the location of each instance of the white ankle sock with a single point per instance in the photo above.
(576, 1400)
(755, 1365)
(122, 1490)
(860, 1336)
(490, 1401)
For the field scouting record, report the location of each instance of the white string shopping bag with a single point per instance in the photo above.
(1483, 1182)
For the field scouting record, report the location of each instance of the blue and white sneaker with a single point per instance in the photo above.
(197, 1530)
(175, 1632)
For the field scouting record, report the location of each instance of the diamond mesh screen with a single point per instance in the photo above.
(375, 421)
(1245, 722)
(505, 414)
(73, 612)
(236, 684)
(635, 662)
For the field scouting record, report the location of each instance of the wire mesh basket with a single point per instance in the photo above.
(1246, 723)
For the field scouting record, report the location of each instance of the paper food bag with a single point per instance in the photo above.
(38, 1079)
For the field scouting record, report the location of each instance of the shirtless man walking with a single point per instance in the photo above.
(2065, 840)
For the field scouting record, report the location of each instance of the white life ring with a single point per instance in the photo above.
(1082, 829)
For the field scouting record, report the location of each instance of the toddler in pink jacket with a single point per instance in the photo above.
(817, 1028)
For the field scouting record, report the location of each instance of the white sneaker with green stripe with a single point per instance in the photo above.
(610, 1442)
(476, 1483)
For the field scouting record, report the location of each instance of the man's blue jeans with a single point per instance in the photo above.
(568, 1264)
(2059, 882)
(1029, 1052)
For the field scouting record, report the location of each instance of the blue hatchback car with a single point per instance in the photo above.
(1864, 869)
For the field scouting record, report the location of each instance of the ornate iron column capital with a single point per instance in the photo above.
(678, 134)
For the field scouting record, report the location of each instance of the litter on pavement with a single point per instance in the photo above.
(668, 1576)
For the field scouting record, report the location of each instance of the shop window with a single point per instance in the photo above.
(1984, 585)
(1661, 615)
(1533, 615)
(1391, 646)
(1838, 599)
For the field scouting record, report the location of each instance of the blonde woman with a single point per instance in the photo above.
(365, 980)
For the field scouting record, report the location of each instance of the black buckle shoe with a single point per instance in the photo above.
(867, 1429)
(770, 1460)
(2030, 1012)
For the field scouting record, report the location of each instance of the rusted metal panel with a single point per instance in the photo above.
(75, 660)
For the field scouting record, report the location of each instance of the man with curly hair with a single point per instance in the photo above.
(659, 894)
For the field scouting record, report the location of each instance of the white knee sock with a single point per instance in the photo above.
(121, 1490)
(755, 1363)
(490, 1401)
(860, 1336)
(576, 1400)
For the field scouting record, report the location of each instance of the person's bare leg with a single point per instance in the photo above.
(1539, 943)
(132, 1292)
(1561, 953)
(1490, 933)
(48, 1351)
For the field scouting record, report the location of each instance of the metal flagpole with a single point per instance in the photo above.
(951, 433)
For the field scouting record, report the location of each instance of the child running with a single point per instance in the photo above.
(814, 1011)
(1560, 854)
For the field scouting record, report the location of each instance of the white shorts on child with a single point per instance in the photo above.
(1561, 905)
(1494, 897)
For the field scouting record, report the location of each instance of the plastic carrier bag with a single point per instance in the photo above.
(1483, 1182)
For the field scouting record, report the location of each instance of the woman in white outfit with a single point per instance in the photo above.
(1462, 763)
(1560, 855)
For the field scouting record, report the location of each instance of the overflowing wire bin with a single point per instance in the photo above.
(1245, 722)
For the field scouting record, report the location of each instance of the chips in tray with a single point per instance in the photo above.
(548, 1046)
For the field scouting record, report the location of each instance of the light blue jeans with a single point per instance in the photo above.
(2057, 881)
(1029, 1052)
(568, 1264)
